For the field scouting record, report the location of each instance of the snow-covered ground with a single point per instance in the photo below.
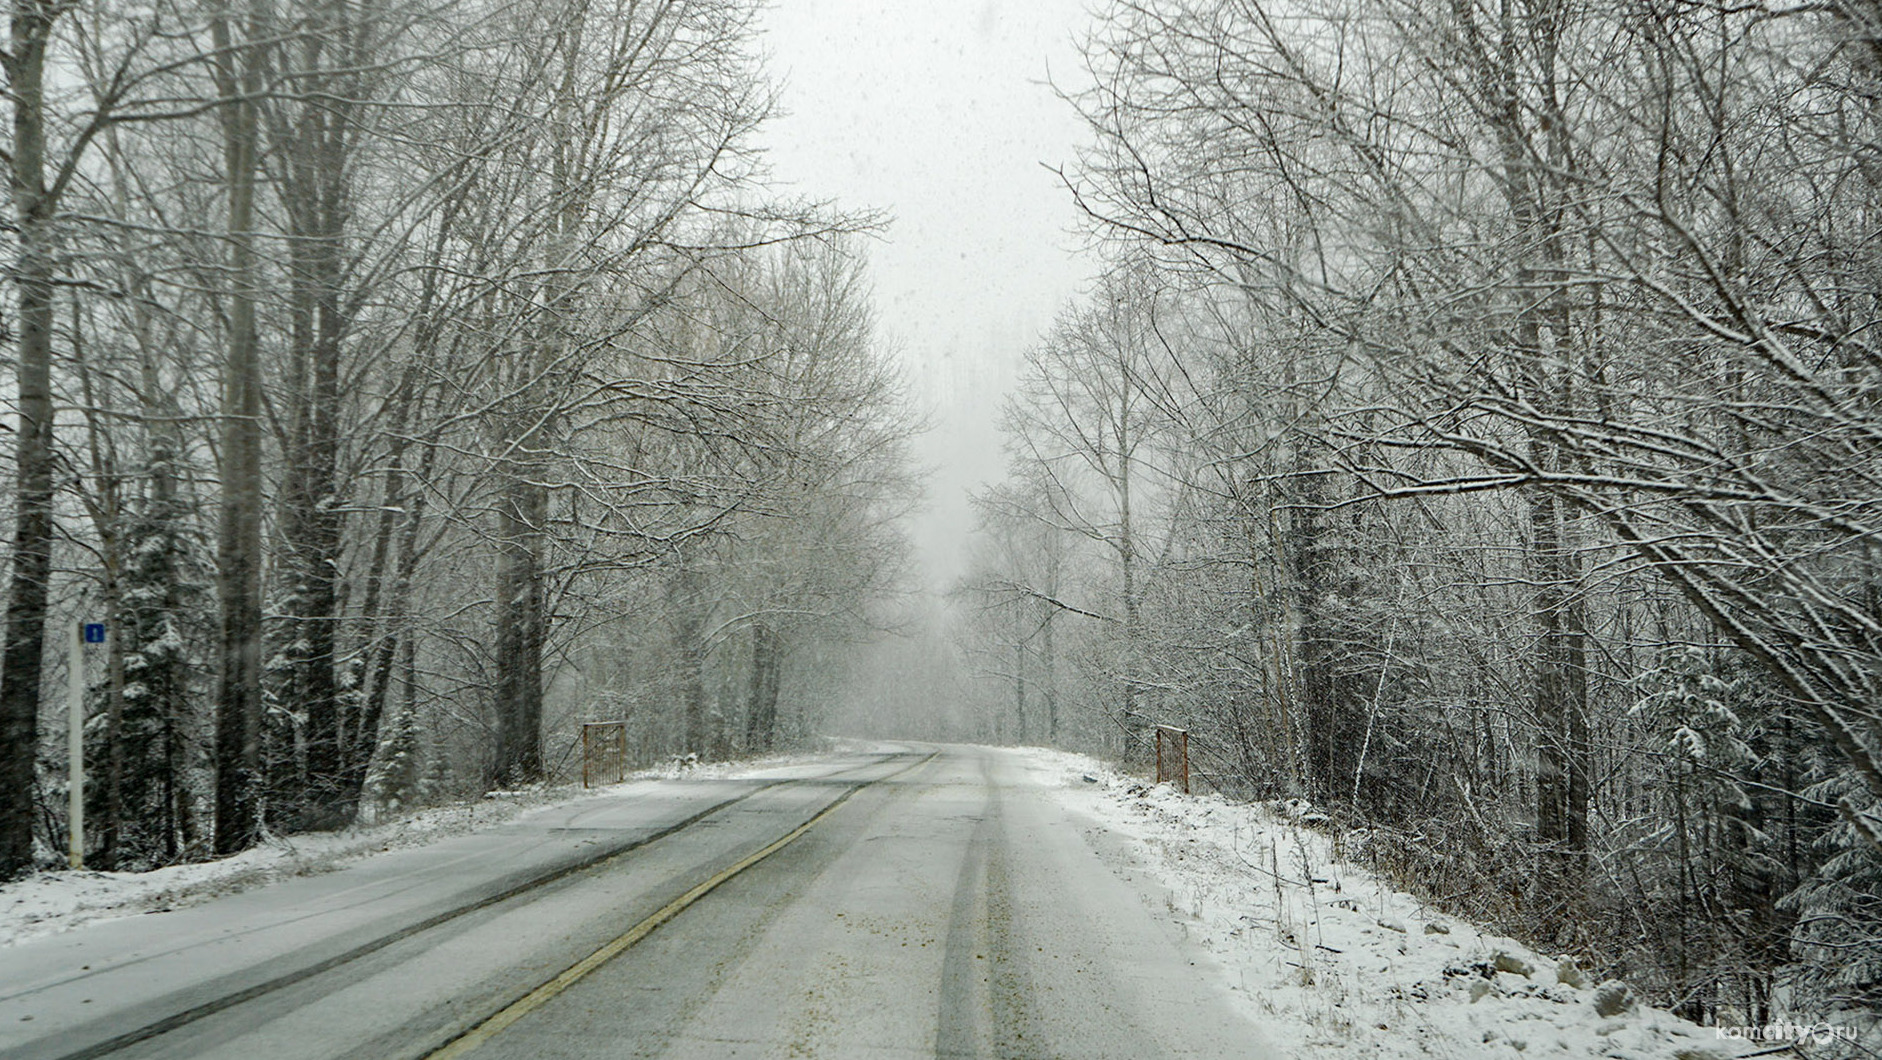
(51, 902)
(1326, 958)
(1335, 962)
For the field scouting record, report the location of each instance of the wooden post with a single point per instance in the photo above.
(1173, 756)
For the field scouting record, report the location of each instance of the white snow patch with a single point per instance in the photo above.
(1329, 959)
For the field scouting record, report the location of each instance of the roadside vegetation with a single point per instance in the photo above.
(404, 384)
(1475, 434)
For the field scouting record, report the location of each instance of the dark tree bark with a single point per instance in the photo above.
(33, 207)
(394, 634)
(761, 712)
(317, 138)
(1019, 690)
(1332, 694)
(521, 512)
(1137, 739)
(689, 604)
(1560, 707)
(238, 550)
(1048, 641)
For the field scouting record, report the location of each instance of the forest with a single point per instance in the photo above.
(1474, 429)
(403, 385)
(1477, 432)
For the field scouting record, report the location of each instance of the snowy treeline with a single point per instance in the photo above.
(405, 383)
(1478, 434)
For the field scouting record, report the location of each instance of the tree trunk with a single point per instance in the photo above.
(1136, 728)
(761, 714)
(33, 525)
(312, 524)
(1049, 678)
(1331, 705)
(688, 600)
(386, 627)
(391, 637)
(1540, 336)
(1019, 691)
(238, 550)
(112, 818)
(1561, 708)
(370, 663)
(520, 516)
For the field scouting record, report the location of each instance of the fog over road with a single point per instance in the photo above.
(934, 901)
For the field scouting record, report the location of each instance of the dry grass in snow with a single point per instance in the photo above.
(1331, 961)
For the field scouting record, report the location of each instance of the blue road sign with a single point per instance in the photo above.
(94, 632)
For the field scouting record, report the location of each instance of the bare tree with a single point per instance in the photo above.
(240, 59)
(1087, 417)
(1577, 257)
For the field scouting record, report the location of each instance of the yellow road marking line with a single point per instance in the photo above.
(540, 996)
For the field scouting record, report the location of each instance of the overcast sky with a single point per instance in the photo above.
(938, 112)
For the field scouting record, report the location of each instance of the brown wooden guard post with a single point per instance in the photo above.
(604, 752)
(1173, 756)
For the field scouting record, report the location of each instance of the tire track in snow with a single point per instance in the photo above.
(503, 894)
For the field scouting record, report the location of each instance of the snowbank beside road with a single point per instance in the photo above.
(1332, 960)
(51, 902)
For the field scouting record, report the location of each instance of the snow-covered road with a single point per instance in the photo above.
(931, 901)
(948, 904)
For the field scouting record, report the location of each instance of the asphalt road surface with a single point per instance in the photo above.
(915, 902)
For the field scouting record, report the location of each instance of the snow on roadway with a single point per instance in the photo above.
(1345, 966)
(51, 902)
(1350, 966)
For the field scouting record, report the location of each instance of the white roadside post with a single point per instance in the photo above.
(75, 689)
